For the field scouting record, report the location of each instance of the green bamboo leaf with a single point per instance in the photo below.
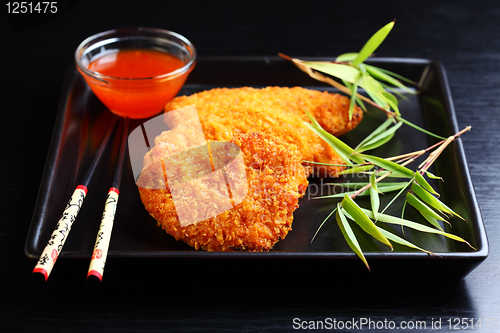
(349, 235)
(392, 174)
(413, 225)
(348, 184)
(403, 212)
(380, 75)
(374, 200)
(352, 104)
(341, 195)
(373, 43)
(363, 221)
(401, 241)
(402, 216)
(321, 163)
(361, 104)
(390, 187)
(311, 118)
(359, 101)
(395, 91)
(432, 200)
(382, 141)
(422, 207)
(355, 170)
(373, 182)
(432, 221)
(333, 142)
(382, 186)
(379, 139)
(423, 182)
(419, 128)
(347, 84)
(376, 132)
(375, 96)
(322, 223)
(395, 75)
(370, 84)
(344, 151)
(391, 100)
(430, 175)
(390, 97)
(346, 57)
(341, 71)
(403, 188)
(362, 69)
(388, 165)
(351, 75)
(387, 132)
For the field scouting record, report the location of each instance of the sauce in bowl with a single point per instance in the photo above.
(136, 83)
(135, 71)
(136, 63)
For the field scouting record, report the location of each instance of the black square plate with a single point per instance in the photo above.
(82, 121)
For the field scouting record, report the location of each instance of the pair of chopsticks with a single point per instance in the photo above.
(56, 242)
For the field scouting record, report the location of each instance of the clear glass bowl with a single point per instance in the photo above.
(138, 97)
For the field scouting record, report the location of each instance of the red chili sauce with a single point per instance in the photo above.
(134, 84)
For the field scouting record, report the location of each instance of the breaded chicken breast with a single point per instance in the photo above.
(278, 111)
(273, 179)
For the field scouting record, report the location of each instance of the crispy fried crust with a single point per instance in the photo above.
(276, 180)
(279, 111)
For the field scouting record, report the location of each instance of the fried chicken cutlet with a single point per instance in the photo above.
(274, 110)
(275, 179)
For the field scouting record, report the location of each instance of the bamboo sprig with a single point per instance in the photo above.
(353, 73)
(379, 104)
(421, 196)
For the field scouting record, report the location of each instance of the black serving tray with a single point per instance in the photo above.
(82, 121)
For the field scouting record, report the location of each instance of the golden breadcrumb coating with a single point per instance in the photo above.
(275, 180)
(275, 110)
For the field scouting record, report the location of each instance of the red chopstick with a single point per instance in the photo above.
(63, 227)
(100, 252)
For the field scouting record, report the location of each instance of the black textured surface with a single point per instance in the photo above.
(157, 296)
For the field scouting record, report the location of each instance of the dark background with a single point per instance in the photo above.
(34, 55)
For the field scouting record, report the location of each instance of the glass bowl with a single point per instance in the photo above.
(137, 96)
